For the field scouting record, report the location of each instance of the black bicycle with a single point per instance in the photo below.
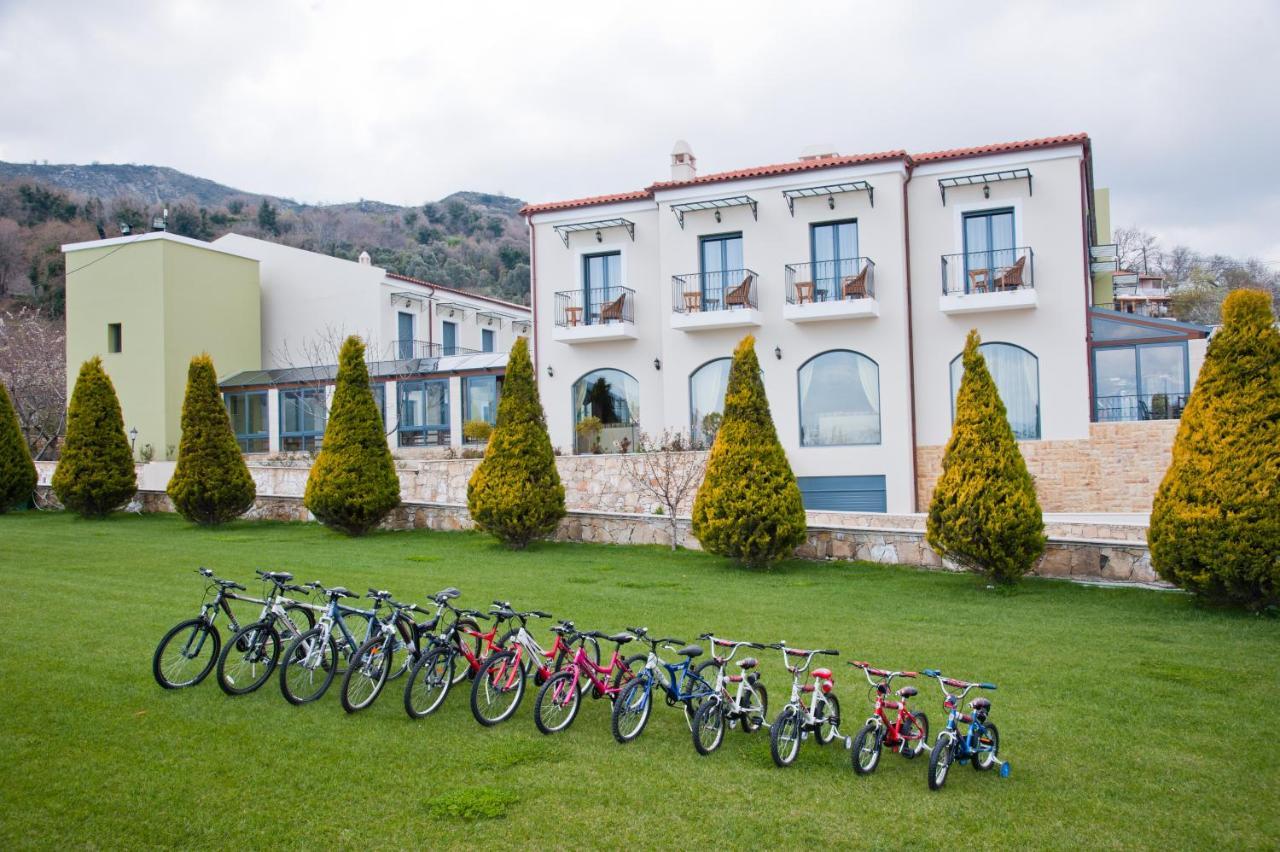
(250, 657)
(188, 652)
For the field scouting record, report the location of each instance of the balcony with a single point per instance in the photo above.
(594, 315)
(710, 300)
(1128, 407)
(1001, 280)
(831, 290)
(417, 350)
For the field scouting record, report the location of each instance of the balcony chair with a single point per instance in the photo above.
(1011, 278)
(804, 292)
(855, 287)
(739, 296)
(692, 302)
(612, 312)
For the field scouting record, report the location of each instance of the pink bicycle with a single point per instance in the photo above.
(560, 697)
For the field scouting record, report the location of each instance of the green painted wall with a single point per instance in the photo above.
(173, 300)
(1102, 286)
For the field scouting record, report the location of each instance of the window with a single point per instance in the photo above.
(1140, 382)
(613, 398)
(424, 412)
(988, 241)
(480, 399)
(839, 400)
(601, 273)
(115, 337)
(404, 332)
(707, 386)
(834, 251)
(486, 340)
(449, 337)
(1017, 376)
(302, 419)
(248, 413)
(721, 267)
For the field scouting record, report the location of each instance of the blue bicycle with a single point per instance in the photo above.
(678, 682)
(978, 743)
(313, 659)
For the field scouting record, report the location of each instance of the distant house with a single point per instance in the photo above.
(1142, 294)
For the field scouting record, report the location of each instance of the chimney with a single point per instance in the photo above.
(818, 152)
(684, 166)
(364, 259)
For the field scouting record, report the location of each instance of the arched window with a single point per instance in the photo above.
(839, 400)
(1017, 376)
(613, 398)
(707, 385)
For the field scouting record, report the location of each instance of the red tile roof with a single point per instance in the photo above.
(638, 195)
(1001, 148)
(398, 277)
(784, 168)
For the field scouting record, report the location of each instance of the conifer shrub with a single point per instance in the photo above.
(17, 470)
(95, 474)
(353, 483)
(984, 515)
(515, 493)
(1215, 523)
(749, 506)
(211, 483)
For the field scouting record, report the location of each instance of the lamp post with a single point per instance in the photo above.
(133, 440)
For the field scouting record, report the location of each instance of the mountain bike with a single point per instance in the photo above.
(371, 666)
(437, 670)
(499, 684)
(560, 696)
(734, 698)
(188, 651)
(312, 660)
(796, 720)
(978, 743)
(678, 682)
(907, 732)
(251, 656)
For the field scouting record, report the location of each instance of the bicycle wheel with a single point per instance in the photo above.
(631, 710)
(366, 675)
(429, 683)
(565, 656)
(302, 618)
(784, 736)
(940, 760)
(310, 662)
(557, 703)
(462, 669)
(755, 708)
(498, 688)
(915, 734)
(186, 654)
(708, 726)
(866, 749)
(988, 749)
(829, 720)
(249, 658)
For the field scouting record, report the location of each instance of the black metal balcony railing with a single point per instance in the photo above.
(698, 292)
(595, 306)
(996, 271)
(1148, 406)
(831, 280)
(404, 350)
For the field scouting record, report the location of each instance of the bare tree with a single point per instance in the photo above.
(12, 254)
(33, 368)
(666, 470)
(1137, 249)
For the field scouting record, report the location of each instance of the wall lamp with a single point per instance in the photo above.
(717, 215)
(657, 364)
(599, 238)
(133, 438)
(986, 190)
(550, 371)
(831, 202)
(777, 352)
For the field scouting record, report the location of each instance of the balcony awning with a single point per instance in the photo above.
(714, 204)
(830, 189)
(409, 297)
(983, 179)
(491, 318)
(599, 225)
(454, 308)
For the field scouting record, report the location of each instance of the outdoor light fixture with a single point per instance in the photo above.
(550, 372)
(599, 238)
(133, 438)
(717, 215)
(986, 190)
(777, 352)
(657, 364)
(831, 202)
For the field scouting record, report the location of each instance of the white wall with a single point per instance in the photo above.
(429, 316)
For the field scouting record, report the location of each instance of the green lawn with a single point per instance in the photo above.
(1131, 718)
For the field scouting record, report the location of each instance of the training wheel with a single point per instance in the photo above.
(1005, 769)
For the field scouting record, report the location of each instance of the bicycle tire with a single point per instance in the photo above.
(921, 721)
(635, 700)
(708, 726)
(426, 667)
(482, 690)
(627, 672)
(295, 654)
(261, 647)
(825, 732)
(866, 755)
(374, 672)
(940, 760)
(548, 694)
(161, 672)
(784, 737)
(751, 722)
(988, 760)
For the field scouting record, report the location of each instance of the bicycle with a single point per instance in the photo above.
(180, 648)
(979, 744)
(558, 700)
(796, 721)
(747, 703)
(313, 659)
(682, 685)
(433, 675)
(370, 667)
(251, 656)
(907, 732)
(499, 684)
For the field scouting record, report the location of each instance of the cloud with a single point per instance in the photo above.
(405, 102)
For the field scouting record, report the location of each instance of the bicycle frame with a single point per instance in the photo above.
(582, 665)
(892, 729)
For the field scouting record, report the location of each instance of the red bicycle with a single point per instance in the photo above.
(907, 732)
(560, 697)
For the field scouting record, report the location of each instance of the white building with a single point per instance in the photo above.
(859, 276)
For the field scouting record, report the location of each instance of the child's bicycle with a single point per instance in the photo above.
(734, 698)
(557, 703)
(978, 744)
(796, 721)
(907, 732)
(678, 683)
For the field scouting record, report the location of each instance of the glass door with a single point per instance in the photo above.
(404, 335)
(988, 246)
(449, 337)
(601, 275)
(722, 268)
(834, 252)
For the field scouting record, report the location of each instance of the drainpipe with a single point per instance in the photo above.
(1086, 200)
(911, 347)
(533, 297)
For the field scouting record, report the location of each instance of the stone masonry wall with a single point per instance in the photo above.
(1118, 469)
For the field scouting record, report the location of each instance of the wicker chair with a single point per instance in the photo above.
(740, 296)
(612, 312)
(1011, 278)
(855, 287)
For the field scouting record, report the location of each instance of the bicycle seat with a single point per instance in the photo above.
(446, 594)
(229, 584)
(690, 651)
(821, 674)
(341, 592)
(624, 638)
(748, 663)
(379, 595)
(908, 691)
(276, 576)
(980, 704)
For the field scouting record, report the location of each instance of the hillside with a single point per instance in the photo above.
(471, 240)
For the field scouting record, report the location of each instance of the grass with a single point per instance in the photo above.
(1132, 718)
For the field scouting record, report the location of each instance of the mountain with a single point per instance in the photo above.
(155, 184)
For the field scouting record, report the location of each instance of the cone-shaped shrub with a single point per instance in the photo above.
(95, 473)
(515, 493)
(1215, 525)
(353, 483)
(748, 506)
(985, 516)
(17, 470)
(211, 483)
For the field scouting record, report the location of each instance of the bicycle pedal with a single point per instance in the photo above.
(733, 723)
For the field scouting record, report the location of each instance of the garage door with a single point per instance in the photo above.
(843, 493)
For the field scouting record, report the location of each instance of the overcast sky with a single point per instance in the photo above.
(333, 101)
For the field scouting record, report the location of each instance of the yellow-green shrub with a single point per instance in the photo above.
(984, 515)
(95, 474)
(748, 506)
(17, 471)
(515, 493)
(1215, 524)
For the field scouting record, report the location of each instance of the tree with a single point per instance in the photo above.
(984, 515)
(1138, 250)
(666, 470)
(17, 471)
(748, 506)
(95, 474)
(267, 219)
(1215, 523)
(515, 493)
(211, 483)
(33, 358)
(12, 254)
(353, 483)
